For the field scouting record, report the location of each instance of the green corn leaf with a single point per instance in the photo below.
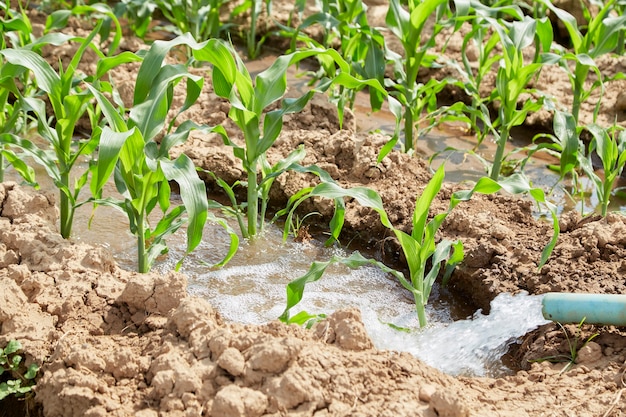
(398, 19)
(565, 130)
(150, 115)
(271, 84)
(47, 78)
(445, 251)
(57, 20)
(295, 289)
(412, 250)
(234, 240)
(26, 171)
(514, 184)
(193, 194)
(111, 144)
(457, 256)
(422, 206)
(418, 17)
(607, 35)
(522, 33)
(363, 195)
(570, 24)
(113, 117)
(107, 63)
(39, 156)
(273, 122)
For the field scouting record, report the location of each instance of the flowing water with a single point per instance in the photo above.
(251, 289)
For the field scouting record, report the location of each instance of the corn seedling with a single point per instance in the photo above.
(15, 31)
(610, 146)
(514, 75)
(142, 167)
(298, 229)
(408, 27)
(565, 145)
(482, 40)
(254, 7)
(250, 100)
(600, 36)
(574, 346)
(19, 383)
(346, 29)
(138, 13)
(69, 102)
(425, 256)
(199, 18)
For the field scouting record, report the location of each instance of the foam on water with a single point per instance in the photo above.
(465, 347)
(251, 289)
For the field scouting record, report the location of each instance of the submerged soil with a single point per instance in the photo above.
(116, 343)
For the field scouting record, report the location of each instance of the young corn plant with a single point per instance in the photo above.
(345, 28)
(255, 8)
(424, 255)
(482, 39)
(15, 81)
(138, 14)
(409, 27)
(199, 18)
(142, 167)
(610, 146)
(250, 102)
(69, 102)
(574, 346)
(565, 145)
(513, 77)
(602, 35)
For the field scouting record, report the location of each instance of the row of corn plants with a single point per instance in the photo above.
(504, 34)
(132, 145)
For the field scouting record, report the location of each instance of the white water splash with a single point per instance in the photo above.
(471, 347)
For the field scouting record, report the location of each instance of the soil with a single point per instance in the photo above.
(116, 343)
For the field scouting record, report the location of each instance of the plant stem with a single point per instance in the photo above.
(413, 64)
(142, 259)
(497, 159)
(408, 130)
(252, 52)
(65, 208)
(580, 74)
(253, 202)
(417, 281)
(421, 311)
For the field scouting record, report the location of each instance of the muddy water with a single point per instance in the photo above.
(251, 289)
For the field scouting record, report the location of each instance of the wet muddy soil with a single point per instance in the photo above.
(116, 343)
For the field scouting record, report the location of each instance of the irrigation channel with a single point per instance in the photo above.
(251, 288)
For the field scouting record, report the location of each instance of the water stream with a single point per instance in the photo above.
(251, 289)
